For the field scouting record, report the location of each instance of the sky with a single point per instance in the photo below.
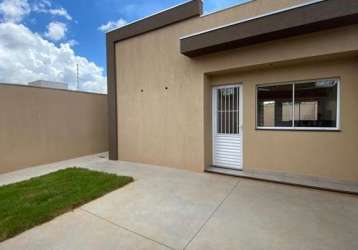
(47, 39)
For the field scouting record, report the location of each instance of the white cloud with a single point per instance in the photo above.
(112, 25)
(40, 5)
(60, 12)
(72, 42)
(26, 57)
(14, 10)
(44, 6)
(56, 31)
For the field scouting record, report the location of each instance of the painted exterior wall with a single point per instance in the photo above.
(330, 155)
(172, 127)
(41, 125)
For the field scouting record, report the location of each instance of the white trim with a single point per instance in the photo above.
(227, 8)
(151, 15)
(294, 128)
(253, 18)
(241, 122)
(293, 105)
(214, 101)
(227, 86)
(338, 122)
(299, 128)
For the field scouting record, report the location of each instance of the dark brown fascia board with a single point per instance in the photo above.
(112, 100)
(311, 17)
(164, 18)
(170, 16)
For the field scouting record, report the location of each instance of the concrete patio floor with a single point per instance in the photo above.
(174, 209)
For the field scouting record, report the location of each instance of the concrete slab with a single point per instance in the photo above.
(165, 204)
(76, 231)
(174, 209)
(284, 178)
(260, 215)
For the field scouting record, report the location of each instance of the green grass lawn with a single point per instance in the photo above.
(26, 204)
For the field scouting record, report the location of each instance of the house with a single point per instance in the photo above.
(49, 84)
(265, 89)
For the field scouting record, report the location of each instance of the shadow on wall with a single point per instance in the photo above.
(42, 125)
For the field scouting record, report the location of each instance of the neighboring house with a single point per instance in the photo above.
(194, 91)
(49, 84)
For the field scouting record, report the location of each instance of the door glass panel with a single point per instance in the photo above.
(228, 110)
(219, 115)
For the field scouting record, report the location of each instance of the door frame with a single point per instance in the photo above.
(214, 120)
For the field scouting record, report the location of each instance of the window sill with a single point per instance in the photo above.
(299, 129)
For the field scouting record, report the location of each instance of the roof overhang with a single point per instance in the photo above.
(312, 17)
(159, 20)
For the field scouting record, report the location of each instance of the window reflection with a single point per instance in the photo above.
(315, 105)
(274, 106)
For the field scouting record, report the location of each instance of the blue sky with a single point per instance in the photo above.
(70, 30)
(91, 14)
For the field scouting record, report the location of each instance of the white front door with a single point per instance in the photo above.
(227, 126)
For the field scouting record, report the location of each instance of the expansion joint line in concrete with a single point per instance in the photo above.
(212, 214)
(125, 228)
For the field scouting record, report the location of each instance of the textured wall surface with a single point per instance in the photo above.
(326, 154)
(172, 127)
(41, 125)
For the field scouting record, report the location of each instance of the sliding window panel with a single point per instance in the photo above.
(274, 106)
(316, 104)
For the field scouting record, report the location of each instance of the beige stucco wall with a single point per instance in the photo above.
(172, 127)
(324, 154)
(41, 125)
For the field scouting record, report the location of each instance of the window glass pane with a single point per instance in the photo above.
(316, 104)
(274, 106)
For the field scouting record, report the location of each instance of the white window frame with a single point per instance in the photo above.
(293, 83)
